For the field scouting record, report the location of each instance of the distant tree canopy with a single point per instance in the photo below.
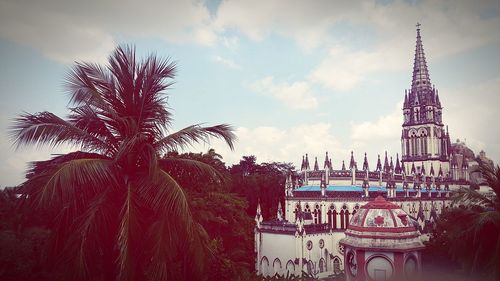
(263, 182)
(469, 233)
(219, 204)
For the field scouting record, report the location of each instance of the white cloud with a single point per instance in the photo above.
(69, 30)
(376, 137)
(449, 27)
(232, 43)
(472, 115)
(297, 95)
(269, 143)
(225, 62)
(343, 69)
(15, 162)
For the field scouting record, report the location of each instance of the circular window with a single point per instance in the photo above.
(309, 245)
(379, 268)
(410, 266)
(340, 247)
(352, 265)
(321, 243)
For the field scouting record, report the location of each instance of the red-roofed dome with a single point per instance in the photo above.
(382, 225)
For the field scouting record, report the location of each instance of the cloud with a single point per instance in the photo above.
(297, 95)
(69, 30)
(270, 143)
(232, 43)
(376, 137)
(367, 36)
(343, 69)
(15, 162)
(225, 62)
(472, 114)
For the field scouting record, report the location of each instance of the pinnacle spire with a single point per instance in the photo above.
(352, 163)
(386, 163)
(379, 165)
(327, 162)
(420, 80)
(397, 169)
(365, 164)
(316, 166)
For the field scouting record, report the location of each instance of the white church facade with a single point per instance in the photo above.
(319, 203)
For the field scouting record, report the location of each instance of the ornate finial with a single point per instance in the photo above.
(418, 25)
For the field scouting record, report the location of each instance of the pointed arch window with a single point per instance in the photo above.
(342, 217)
(332, 217)
(317, 214)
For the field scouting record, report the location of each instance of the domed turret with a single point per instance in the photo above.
(381, 243)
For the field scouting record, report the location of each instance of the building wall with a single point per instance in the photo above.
(294, 248)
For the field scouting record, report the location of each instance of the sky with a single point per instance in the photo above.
(292, 77)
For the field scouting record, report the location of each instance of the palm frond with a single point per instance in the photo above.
(88, 120)
(195, 134)
(469, 197)
(47, 128)
(92, 85)
(89, 239)
(164, 195)
(192, 169)
(492, 176)
(73, 183)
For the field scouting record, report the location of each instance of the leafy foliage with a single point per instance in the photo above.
(222, 215)
(470, 232)
(119, 212)
(252, 180)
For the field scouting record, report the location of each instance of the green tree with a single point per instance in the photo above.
(252, 180)
(222, 214)
(119, 213)
(470, 232)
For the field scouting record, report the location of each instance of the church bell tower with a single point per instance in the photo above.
(424, 141)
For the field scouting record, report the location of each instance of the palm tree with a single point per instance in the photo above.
(472, 229)
(118, 212)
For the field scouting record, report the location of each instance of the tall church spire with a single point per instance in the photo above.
(420, 81)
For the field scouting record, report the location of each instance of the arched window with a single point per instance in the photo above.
(336, 265)
(264, 266)
(346, 216)
(310, 267)
(290, 267)
(277, 266)
(322, 265)
(356, 208)
(332, 217)
(317, 214)
(342, 218)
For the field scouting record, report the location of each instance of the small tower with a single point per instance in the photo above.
(397, 169)
(279, 213)
(258, 216)
(323, 184)
(381, 243)
(327, 163)
(379, 165)
(366, 185)
(316, 166)
(365, 164)
(386, 164)
(352, 163)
